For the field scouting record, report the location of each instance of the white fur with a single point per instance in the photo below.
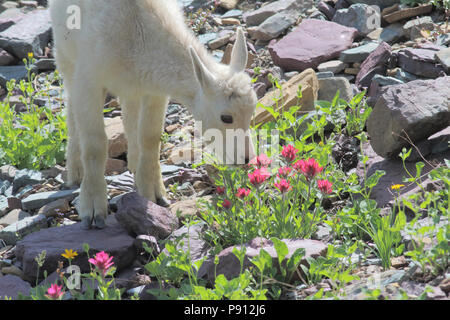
(142, 52)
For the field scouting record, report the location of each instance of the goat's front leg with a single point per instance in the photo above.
(88, 101)
(148, 175)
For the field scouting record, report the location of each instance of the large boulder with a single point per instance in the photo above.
(256, 17)
(311, 43)
(360, 16)
(418, 108)
(114, 240)
(30, 34)
(310, 88)
(375, 63)
(11, 286)
(140, 216)
(421, 62)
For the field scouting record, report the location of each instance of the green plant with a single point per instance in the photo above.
(33, 139)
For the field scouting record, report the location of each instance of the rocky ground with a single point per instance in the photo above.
(399, 54)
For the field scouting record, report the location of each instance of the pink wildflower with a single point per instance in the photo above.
(289, 153)
(283, 186)
(310, 168)
(242, 193)
(258, 176)
(325, 186)
(54, 292)
(102, 261)
(220, 190)
(226, 204)
(261, 161)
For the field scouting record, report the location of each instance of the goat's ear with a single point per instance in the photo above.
(204, 76)
(239, 53)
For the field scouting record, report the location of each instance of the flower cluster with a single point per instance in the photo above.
(102, 261)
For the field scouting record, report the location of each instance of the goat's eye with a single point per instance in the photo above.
(226, 119)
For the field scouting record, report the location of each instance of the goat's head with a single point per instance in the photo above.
(226, 102)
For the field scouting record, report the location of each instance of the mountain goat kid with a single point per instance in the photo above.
(142, 52)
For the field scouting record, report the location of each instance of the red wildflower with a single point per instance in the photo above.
(283, 186)
(261, 161)
(310, 168)
(226, 204)
(284, 172)
(289, 153)
(102, 261)
(258, 176)
(54, 292)
(242, 193)
(220, 190)
(325, 186)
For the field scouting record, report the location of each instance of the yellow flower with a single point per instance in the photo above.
(69, 254)
(30, 55)
(397, 186)
(321, 144)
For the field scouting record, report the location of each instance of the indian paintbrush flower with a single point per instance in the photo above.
(261, 161)
(325, 186)
(309, 168)
(258, 176)
(242, 193)
(102, 261)
(289, 153)
(54, 292)
(283, 186)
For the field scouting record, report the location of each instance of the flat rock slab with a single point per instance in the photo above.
(30, 34)
(11, 286)
(311, 43)
(12, 233)
(229, 264)
(410, 108)
(408, 13)
(443, 56)
(374, 64)
(139, 216)
(38, 200)
(12, 72)
(358, 54)
(256, 17)
(421, 62)
(114, 240)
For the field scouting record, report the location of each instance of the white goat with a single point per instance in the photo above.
(142, 52)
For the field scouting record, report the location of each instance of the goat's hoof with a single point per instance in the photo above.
(86, 223)
(163, 202)
(100, 222)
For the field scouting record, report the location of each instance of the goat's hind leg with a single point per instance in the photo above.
(89, 97)
(130, 111)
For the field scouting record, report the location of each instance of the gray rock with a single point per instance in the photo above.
(4, 185)
(443, 56)
(404, 75)
(385, 81)
(207, 37)
(380, 3)
(273, 26)
(6, 58)
(169, 169)
(38, 200)
(190, 239)
(360, 16)
(7, 73)
(329, 86)
(326, 9)
(114, 240)
(411, 108)
(30, 34)
(235, 13)
(140, 216)
(26, 177)
(11, 286)
(420, 62)
(413, 27)
(358, 54)
(392, 33)
(324, 74)
(7, 172)
(13, 216)
(3, 205)
(256, 17)
(230, 267)
(334, 66)
(45, 65)
(21, 228)
(122, 181)
(443, 40)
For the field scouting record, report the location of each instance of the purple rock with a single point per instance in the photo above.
(375, 63)
(326, 9)
(420, 62)
(11, 286)
(311, 43)
(140, 216)
(114, 240)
